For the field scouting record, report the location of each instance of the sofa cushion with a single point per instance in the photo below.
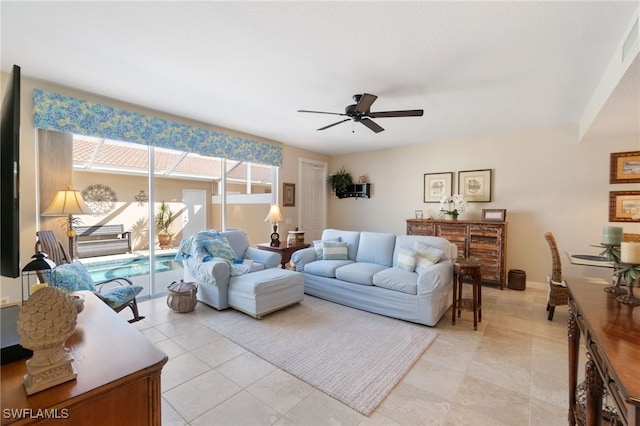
(359, 272)
(426, 256)
(334, 250)
(397, 279)
(376, 247)
(349, 237)
(406, 259)
(325, 268)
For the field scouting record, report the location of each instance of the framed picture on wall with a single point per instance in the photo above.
(625, 167)
(475, 185)
(436, 186)
(288, 194)
(624, 206)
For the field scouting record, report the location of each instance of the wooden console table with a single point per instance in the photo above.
(485, 240)
(118, 377)
(612, 336)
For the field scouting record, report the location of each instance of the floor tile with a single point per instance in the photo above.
(511, 371)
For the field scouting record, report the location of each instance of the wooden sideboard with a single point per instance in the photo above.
(611, 333)
(484, 240)
(118, 377)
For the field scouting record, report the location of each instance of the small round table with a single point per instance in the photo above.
(467, 267)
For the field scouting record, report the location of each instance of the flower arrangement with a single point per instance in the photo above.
(452, 205)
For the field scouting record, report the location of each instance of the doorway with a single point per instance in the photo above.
(313, 198)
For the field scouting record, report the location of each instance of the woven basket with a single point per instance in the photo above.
(181, 296)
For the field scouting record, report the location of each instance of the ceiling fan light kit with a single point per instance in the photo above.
(361, 111)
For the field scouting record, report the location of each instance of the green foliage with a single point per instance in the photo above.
(340, 181)
(164, 218)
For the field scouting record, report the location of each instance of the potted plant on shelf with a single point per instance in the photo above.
(340, 182)
(164, 218)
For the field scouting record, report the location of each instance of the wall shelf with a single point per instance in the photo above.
(357, 190)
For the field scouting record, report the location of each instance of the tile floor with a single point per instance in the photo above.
(512, 371)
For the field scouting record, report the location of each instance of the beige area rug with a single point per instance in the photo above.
(354, 356)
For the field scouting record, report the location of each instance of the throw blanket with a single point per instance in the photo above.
(209, 245)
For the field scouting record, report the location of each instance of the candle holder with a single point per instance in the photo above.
(612, 253)
(631, 273)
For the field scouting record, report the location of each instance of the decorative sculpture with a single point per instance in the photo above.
(46, 321)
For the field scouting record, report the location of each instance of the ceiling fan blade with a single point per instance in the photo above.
(365, 102)
(371, 125)
(321, 112)
(334, 124)
(407, 113)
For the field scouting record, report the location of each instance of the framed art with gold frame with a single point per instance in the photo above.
(625, 167)
(288, 194)
(623, 206)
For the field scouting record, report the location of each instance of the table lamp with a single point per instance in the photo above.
(274, 217)
(67, 203)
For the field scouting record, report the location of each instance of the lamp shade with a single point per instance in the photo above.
(274, 215)
(40, 263)
(67, 202)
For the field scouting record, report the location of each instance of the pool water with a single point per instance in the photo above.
(128, 268)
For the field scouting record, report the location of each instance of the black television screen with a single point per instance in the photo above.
(9, 178)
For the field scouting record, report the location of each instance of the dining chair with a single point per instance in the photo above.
(558, 292)
(119, 293)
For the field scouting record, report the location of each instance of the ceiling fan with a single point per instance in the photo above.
(360, 112)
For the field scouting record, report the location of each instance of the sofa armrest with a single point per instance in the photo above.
(269, 259)
(215, 273)
(302, 257)
(436, 278)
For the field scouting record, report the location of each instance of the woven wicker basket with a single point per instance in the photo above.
(181, 296)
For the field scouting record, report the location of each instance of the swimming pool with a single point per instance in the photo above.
(131, 267)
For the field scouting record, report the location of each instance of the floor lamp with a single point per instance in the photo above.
(67, 203)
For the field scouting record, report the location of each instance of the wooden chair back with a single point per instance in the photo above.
(50, 244)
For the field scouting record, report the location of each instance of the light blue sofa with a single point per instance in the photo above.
(213, 276)
(371, 279)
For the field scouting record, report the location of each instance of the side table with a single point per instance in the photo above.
(285, 250)
(472, 268)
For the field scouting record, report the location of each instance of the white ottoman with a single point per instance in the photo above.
(262, 292)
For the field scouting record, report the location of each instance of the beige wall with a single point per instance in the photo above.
(29, 203)
(543, 177)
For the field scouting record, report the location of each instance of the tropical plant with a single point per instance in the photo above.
(340, 181)
(164, 218)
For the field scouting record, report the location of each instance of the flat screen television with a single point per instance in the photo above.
(10, 178)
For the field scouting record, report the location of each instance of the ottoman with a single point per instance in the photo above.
(262, 292)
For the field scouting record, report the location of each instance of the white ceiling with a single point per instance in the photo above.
(474, 67)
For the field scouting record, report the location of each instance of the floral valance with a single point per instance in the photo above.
(53, 111)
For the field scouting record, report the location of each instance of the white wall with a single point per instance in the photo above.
(543, 177)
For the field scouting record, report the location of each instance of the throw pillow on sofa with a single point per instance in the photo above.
(318, 245)
(426, 256)
(334, 250)
(406, 259)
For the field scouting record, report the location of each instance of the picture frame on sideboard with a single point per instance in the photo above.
(494, 215)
